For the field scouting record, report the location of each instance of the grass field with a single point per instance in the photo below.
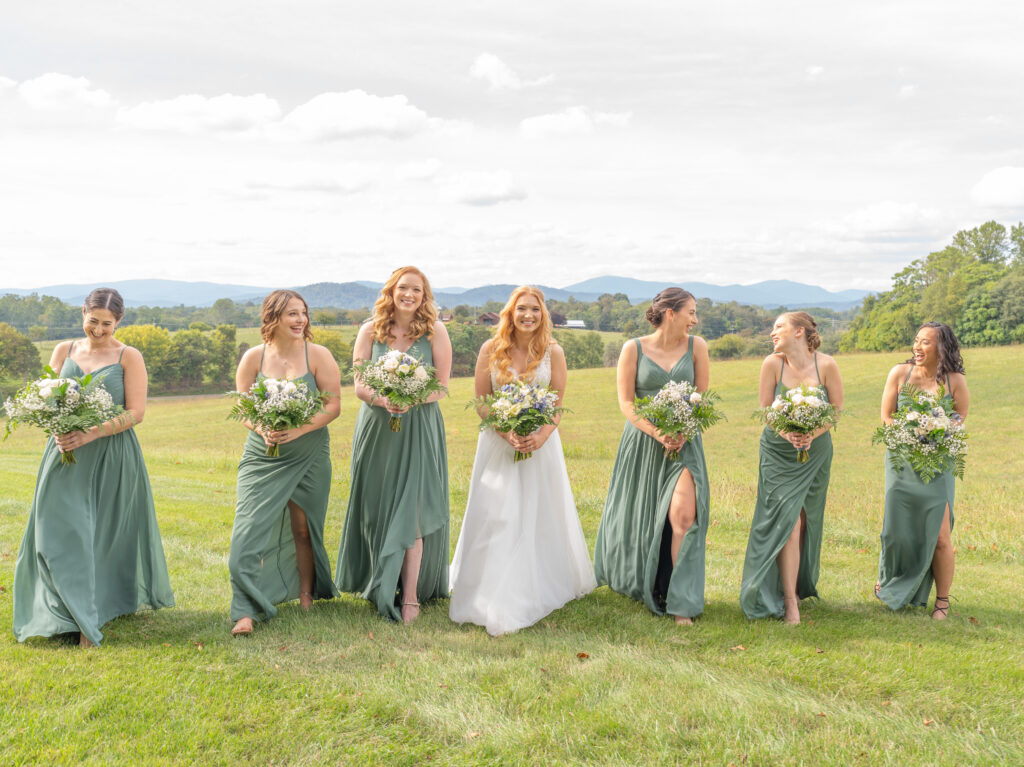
(600, 681)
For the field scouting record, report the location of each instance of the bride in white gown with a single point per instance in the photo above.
(521, 551)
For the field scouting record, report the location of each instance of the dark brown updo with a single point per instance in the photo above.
(105, 298)
(669, 298)
(805, 321)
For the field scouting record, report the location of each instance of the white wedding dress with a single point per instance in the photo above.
(521, 551)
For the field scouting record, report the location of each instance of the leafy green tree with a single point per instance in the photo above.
(582, 349)
(155, 346)
(340, 349)
(466, 342)
(727, 347)
(19, 357)
(190, 355)
(221, 365)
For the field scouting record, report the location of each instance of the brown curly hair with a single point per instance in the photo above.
(272, 309)
(384, 309)
(505, 334)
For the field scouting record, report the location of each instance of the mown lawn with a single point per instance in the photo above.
(600, 681)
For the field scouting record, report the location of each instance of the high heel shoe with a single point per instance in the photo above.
(408, 621)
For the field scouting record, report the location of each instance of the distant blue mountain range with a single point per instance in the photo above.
(354, 295)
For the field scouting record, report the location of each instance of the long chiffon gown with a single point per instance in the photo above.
(399, 493)
(92, 549)
(910, 530)
(784, 488)
(632, 554)
(521, 552)
(262, 563)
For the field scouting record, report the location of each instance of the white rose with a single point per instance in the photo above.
(778, 404)
(813, 402)
(290, 388)
(695, 398)
(420, 374)
(390, 362)
(404, 368)
(797, 398)
(913, 415)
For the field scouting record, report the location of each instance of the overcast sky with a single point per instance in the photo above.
(285, 143)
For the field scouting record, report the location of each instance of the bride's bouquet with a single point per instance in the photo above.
(61, 405)
(800, 410)
(521, 408)
(277, 404)
(679, 409)
(400, 377)
(927, 433)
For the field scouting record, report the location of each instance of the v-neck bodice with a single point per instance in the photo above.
(651, 377)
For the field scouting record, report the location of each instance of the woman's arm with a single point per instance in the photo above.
(59, 354)
(891, 392)
(441, 351)
(245, 376)
(701, 364)
(961, 396)
(482, 376)
(361, 351)
(768, 380)
(625, 377)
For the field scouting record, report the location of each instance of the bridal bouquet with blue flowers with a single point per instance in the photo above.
(277, 404)
(927, 433)
(520, 408)
(678, 408)
(61, 405)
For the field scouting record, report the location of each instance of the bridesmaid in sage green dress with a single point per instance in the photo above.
(916, 543)
(784, 548)
(92, 549)
(650, 544)
(277, 544)
(394, 548)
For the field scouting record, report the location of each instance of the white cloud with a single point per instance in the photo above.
(482, 189)
(889, 218)
(7, 84)
(355, 113)
(317, 184)
(572, 121)
(420, 170)
(1000, 188)
(815, 70)
(908, 92)
(56, 91)
(193, 113)
(497, 74)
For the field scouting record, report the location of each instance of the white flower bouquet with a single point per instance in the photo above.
(61, 405)
(401, 378)
(277, 404)
(521, 408)
(801, 410)
(927, 433)
(678, 408)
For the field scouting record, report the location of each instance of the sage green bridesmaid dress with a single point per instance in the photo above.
(399, 493)
(784, 488)
(92, 548)
(632, 554)
(262, 562)
(910, 528)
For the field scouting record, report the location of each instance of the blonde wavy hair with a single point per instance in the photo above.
(505, 336)
(384, 309)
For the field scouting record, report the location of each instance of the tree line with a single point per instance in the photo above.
(975, 285)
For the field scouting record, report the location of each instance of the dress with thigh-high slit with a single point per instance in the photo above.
(910, 530)
(632, 554)
(262, 563)
(785, 487)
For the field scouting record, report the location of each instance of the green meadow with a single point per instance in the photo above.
(601, 681)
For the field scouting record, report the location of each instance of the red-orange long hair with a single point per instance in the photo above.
(505, 337)
(384, 309)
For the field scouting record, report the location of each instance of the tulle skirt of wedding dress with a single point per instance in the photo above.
(521, 552)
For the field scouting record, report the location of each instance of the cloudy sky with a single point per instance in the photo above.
(284, 143)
